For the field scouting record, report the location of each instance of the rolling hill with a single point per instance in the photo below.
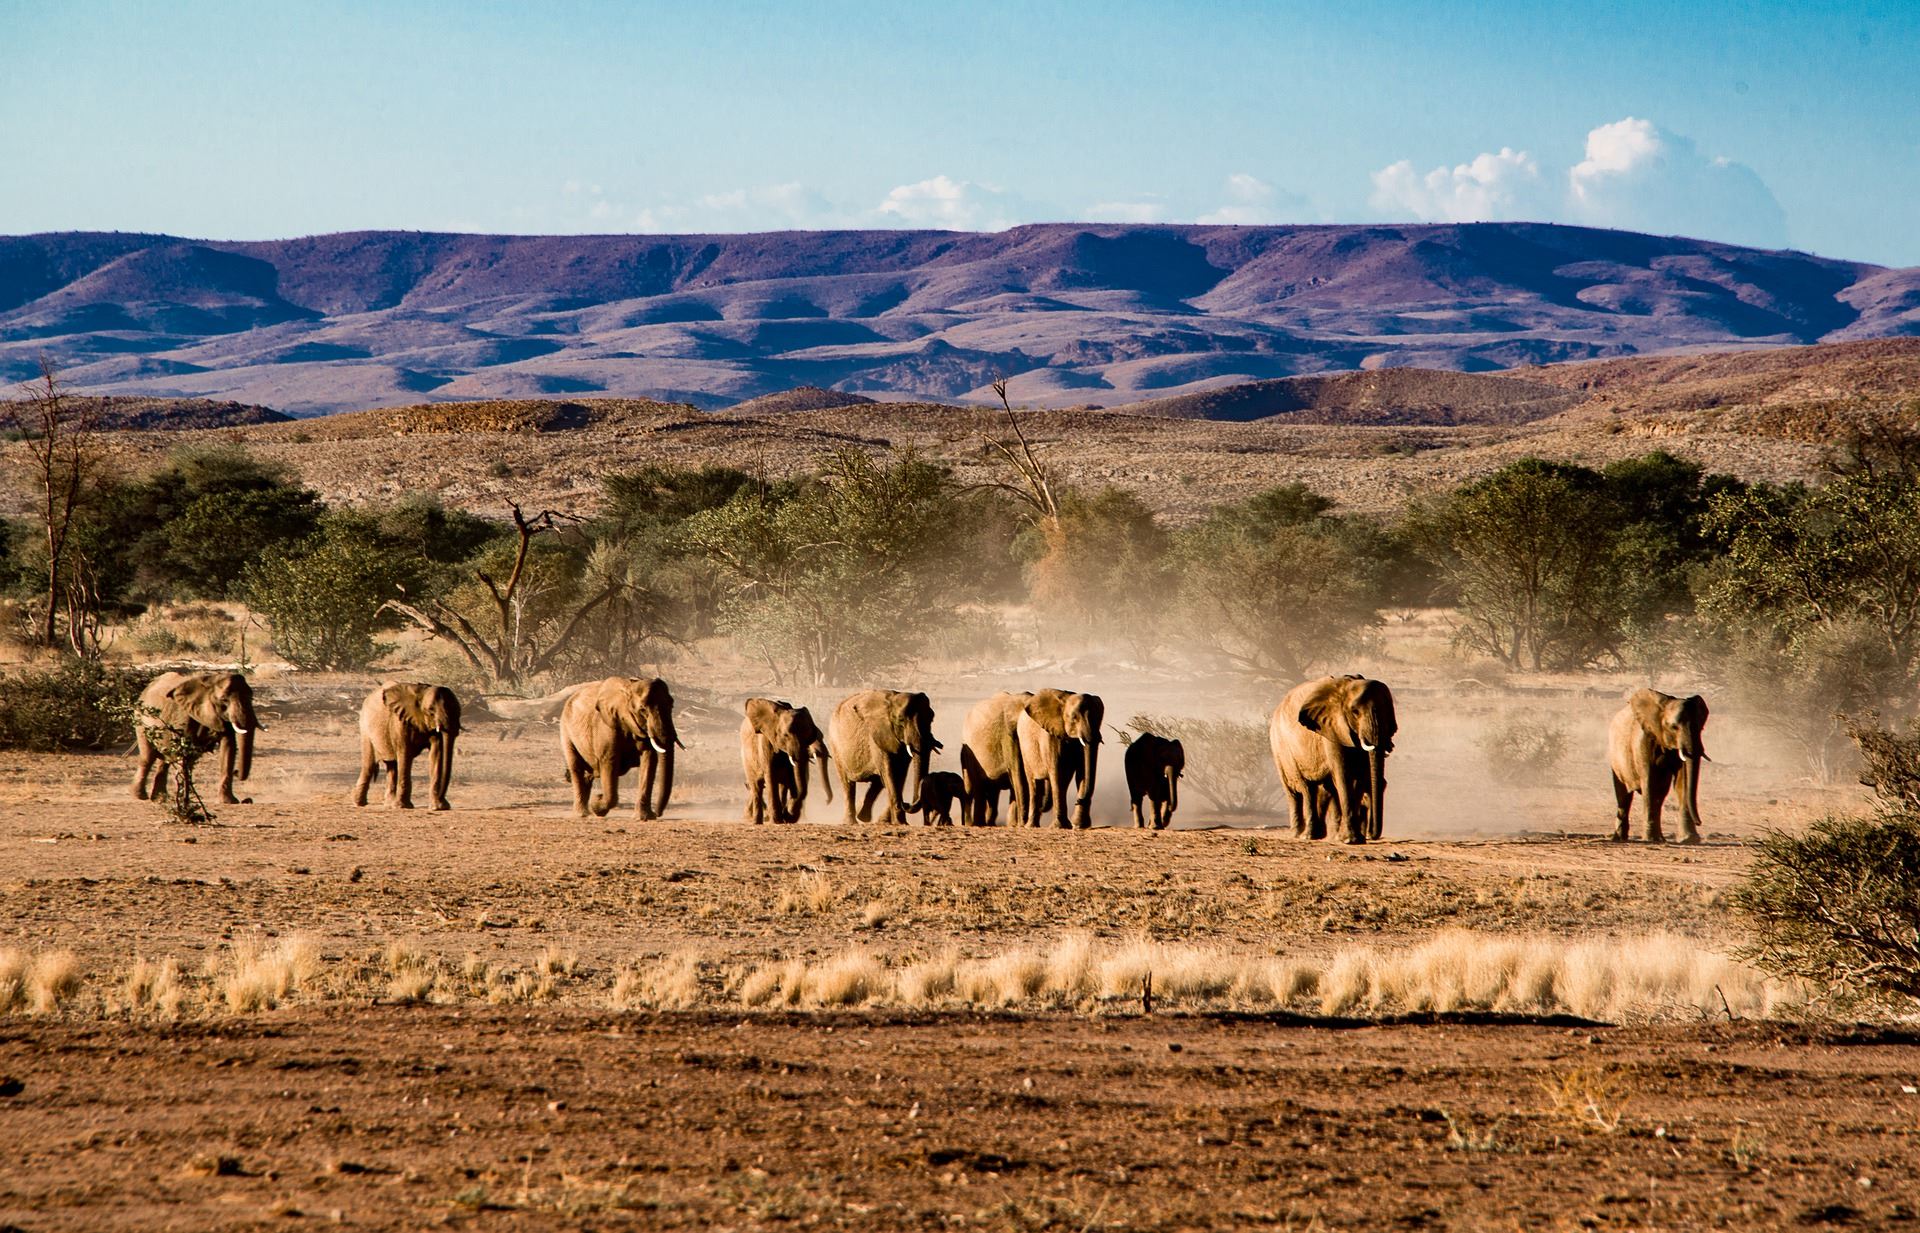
(1073, 314)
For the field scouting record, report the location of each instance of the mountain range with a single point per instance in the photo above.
(1071, 314)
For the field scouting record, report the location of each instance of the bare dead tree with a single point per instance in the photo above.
(1033, 480)
(511, 651)
(61, 436)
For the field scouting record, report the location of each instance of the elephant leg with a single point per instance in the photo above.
(1350, 821)
(1656, 800)
(578, 773)
(403, 780)
(1622, 805)
(1316, 797)
(144, 767)
(643, 807)
(226, 770)
(847, 794)
(753, 811)
(896, 814)
(1162, 815)
(1139, 821)
(159, 792)
(873, 794)
(1060, 784)
(608, 797)
(366, 772)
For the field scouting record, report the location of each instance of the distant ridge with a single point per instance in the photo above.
(1071, 314)
(802, 398)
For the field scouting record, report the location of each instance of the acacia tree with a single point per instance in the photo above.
(520, 608)
(63, 454)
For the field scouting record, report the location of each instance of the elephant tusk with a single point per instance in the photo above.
(1367, 747)
(241, 731)
(657, 746)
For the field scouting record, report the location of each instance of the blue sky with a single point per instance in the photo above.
(1773, 124)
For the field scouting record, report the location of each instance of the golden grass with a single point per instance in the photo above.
(258, 977)
(1649, 977)
(39, 983)
(668, 983)
(154, 988)
(814, 893)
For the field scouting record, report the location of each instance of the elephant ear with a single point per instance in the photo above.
(1047, 709)
(763, 714)
(1326, 713)
(1649, 709)
(1695, 707)
(399, 701)
(804, 729)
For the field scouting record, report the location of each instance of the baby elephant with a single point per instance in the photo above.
(1154, 767)
(399, 721)
(939, 792)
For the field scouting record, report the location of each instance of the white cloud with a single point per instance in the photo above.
(943, 202)
(1636, 176)
(1252, 202)
(1501, 186)
(1639, 176)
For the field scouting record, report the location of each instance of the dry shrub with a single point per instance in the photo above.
(1523, 747)
(14, 965)
(876, 914)
(257, 977)
(557, 962)
(1588, 1097)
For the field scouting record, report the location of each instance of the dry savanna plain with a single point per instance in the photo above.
(503, 1016)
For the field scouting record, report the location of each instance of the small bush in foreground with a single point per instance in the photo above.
(1839, 906)
(76, 704)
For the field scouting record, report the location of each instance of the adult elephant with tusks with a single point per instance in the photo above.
(399, 721)
(610, 727)
(778, 743)
(206, 709)
(1653, 740)
(1330, 740)
(1059, 735)
(877, 736)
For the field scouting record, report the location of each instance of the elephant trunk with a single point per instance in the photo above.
(1173, 791)
(442, 764)
(666, 779)
(920, 758)
(826, 780)
(1690, 789)
(1083, 808)
(246, 752)
(1376, 785)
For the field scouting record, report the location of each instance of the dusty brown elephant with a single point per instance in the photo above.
(940, 791)
(1654, 739)
(1059, 735)
(778, 742)
(990, 760)
(876, 736)
(610, 727)
(1154, 766)
(207, 709)
(399, 721)
(1330, 739)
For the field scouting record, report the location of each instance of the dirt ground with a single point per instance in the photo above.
(409, 1118)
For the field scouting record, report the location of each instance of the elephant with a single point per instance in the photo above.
(610, 727)
(1154, 766)
(778, 742)
(876, 736)
(990, 759)
(1330, 741)
(399, 721)
(939, 792)
(1059, 738)
(1652, 740)
(204, 708)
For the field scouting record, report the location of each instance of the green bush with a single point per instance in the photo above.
(322, 598)
(75, 704)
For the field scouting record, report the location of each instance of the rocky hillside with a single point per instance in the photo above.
(1074, 314)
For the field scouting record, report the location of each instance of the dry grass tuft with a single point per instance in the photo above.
(815, 893)
(257, 977)
(671, 982)
(38, 983)
(557, 962)
(155, 988)
(14, 966)
(876, 914)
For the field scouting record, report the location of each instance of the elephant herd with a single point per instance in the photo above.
(1330, 739)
